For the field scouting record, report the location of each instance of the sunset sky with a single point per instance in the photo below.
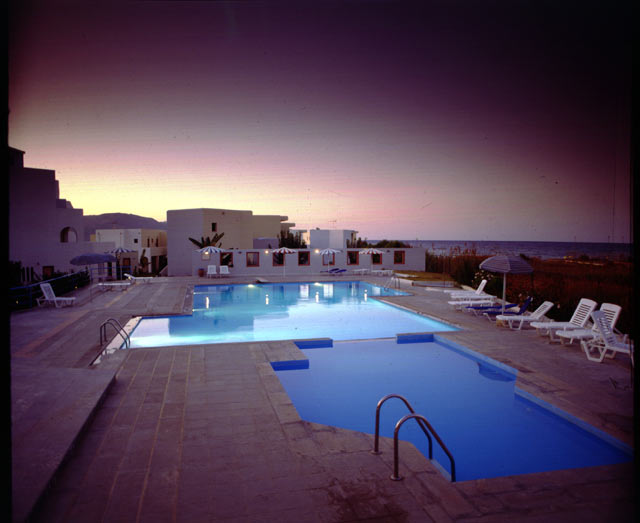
(433, 120)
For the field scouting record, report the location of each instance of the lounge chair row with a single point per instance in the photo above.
(594, 329)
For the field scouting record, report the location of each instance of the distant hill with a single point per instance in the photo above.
(118, 220)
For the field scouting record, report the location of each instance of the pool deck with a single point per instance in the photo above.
(207, 433)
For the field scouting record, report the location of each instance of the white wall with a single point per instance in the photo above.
(239, 228)
(38, 217)
(414, 259)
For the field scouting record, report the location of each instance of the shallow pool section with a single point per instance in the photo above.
(491, 428)
(345, 310)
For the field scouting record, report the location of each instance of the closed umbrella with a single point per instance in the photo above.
(284, 251)
(505, 264)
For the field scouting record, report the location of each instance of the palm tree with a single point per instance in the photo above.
(208, 241)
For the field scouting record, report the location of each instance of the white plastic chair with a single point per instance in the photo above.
(578, 320)
(211, 271)
(605, 345)
(224, 270)
(611, 313)
(536, 316)
(51, 298)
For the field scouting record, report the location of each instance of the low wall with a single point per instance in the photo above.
(260, 262)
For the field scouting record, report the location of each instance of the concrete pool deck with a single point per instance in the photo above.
(207, 433)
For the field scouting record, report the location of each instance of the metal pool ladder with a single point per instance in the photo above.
(424, 425)
(119, 330)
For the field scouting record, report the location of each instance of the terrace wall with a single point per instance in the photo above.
(412, 260)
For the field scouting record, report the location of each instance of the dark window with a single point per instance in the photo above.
(278, 259)
(304, 258)
(226, 258)
(352, 257)
(376, 259)
(253, 259)
(398, 257)
(214, 227)
(328, 259)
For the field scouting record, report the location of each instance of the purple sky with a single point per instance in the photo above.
(454, 120)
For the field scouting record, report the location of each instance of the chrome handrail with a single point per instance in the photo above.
(395, 476)
(376, 447)
(119, 330)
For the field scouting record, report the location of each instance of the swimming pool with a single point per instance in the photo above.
(344, 310)
(491, 427)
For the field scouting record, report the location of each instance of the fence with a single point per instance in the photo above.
(25, 297)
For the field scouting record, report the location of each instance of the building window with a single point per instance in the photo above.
(376, 259)
(214, 227)
(226, 258)
(352, 257)
(253, 259)
(329, 259)
(278, 259)
(135, 240)
(304, 258)
(68, 235)
(398, 257)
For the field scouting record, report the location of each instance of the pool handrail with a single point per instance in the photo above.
(395, 476)
(119, 330)
(424, 425)
(376, 440)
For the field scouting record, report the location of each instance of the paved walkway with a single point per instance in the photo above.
(207, 433)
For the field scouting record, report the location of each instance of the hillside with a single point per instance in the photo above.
(117, 220)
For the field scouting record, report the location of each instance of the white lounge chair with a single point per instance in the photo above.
(211, 271)
(455, 294)
(605, 345)
(512, 320)
(611, 313)
(224, 270)
(473, 302)
(578, 320)
(136, 279)
(51, 298)
(122, 285)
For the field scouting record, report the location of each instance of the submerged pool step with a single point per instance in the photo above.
(414, 337)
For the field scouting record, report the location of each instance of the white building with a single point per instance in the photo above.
(240, 228)
(327, 238)
(45, 231)
(148, 243)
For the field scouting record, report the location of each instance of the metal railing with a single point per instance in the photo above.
(25, 297)
(422, 423)
(119, 330)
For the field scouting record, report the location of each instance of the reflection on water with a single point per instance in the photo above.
(225, 313)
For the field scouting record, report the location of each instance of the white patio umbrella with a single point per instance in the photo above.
(504, 265)
(328, 250)
(211, 249)
(284, 251)
(371, 251)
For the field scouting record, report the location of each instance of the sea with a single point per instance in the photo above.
(542, 250)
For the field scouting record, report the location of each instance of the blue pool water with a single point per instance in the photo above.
(261, 312)
(491, 428)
